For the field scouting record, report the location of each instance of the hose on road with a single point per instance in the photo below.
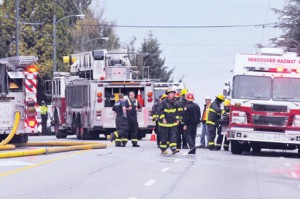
(59, 146)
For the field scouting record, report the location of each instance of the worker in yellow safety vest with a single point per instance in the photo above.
(223, 123)
(205, 132)
(213, 115)
(44, 116)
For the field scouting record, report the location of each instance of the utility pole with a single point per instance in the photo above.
(54, 43)
(17, 27)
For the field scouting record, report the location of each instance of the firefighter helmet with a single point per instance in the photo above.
(163, 96)
(221, 97)
(208, 97)
(227, 102)
(189, 97)
(184, 91)
(170, 90)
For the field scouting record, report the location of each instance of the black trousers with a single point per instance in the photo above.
(133, 128)
(212, 135)
(190, 135)
(44, 123)
(180, 137)
(156, 130)
(220, 139)
(121, 131)
(168, 137)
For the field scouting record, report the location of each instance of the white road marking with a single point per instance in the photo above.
(282, 158)
(294, 175)
(132, 197)
(176, 160)
(14, 163)
(287, 164)
(164, 170)
(184, 153)
(150, 183)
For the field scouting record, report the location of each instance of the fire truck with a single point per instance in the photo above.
(83, 99)
(161, 87)
(18, 85)
(265, 109)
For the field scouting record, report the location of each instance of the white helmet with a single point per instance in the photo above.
(208, 97)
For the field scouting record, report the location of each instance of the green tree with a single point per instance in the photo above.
(150, 56)
(289, 23)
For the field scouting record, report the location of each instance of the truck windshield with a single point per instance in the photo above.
(252, 87)
(286, 89)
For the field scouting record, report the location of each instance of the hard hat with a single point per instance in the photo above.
(189, 97)
(227, 102)
(207, 97)
(163, 96)
(177, 94)
(184, 91)
(221, 97)
(170, 90)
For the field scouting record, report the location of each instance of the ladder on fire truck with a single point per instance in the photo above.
(19, 61)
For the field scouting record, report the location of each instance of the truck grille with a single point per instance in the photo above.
(269, 108)
(261, 120)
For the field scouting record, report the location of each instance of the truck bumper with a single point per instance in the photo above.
(290, 137)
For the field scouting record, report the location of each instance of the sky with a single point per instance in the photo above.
(204, 56)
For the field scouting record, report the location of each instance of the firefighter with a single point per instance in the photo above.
(155, 117)
(44, 115)
(204, 133)
(121, 133)
(224, 121)
(133, 106)
(168, 122)
(191, 119)
(213, 115)
(179, 135)
(183, 101)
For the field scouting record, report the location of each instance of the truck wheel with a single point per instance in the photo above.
(246, 147)
(24, 138)
(60, 134)
(236, 148)
(256, 149)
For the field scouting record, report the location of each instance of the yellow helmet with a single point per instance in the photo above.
(227, 102)
(163, 96)
(221, 97)
(184, 91)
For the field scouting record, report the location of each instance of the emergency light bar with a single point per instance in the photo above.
(273, 70)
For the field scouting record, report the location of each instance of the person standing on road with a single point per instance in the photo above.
(183, 102)
(205, 132)
(181, 141)
(133, 106)
(44, 116)
(191, 119)
(155, 117)
(213, 115)
(168, 122)
(121, 133)
(224, 121)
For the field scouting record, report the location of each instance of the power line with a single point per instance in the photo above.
(264, 25)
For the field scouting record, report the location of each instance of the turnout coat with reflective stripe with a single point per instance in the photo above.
(213, 113)
(168, 110)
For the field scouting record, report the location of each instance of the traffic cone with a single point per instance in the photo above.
(140, 98)
(153, 136)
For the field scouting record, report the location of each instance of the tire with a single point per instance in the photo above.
(236, 148)
(141, 135)
(24, 138)
(246, 147)
(256, 149)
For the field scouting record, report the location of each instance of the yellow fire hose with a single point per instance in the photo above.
(60, 146)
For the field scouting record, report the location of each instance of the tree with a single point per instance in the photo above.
(289, 23)
(150, 56)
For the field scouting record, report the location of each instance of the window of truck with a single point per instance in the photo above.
(286, 89)
(111, 94)
(252, 87)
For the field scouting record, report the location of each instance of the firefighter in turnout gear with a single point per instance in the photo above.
(183, 102)
(44, 115)
(213, 115)
(168, 122)
(223, 123)
(179, 135)
(121, 133)
(133, 106)
(191, 119)
(155, 117)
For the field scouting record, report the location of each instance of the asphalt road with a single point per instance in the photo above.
(138, 173)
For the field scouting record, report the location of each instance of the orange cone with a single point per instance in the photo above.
(153, 136)
(140, 98)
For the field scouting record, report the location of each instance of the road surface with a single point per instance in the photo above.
(142, 173)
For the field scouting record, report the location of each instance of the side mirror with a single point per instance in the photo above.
(227, 89)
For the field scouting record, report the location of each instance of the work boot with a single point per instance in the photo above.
(226, 148)
(213, 148)
(165, 152)
(118, 144)
(124, 144)
(174, 151)
(135, 145)
(218, 148)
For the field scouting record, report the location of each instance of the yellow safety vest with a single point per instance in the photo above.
(44, 110)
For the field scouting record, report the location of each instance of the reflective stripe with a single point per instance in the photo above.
(180, 109)
(167, 125)
(177, 117)
(161, 116)
(129, 102)
(173, 110)
(124, 139)
(118, 140)
(211, 144)
(173, 144)
(134, 140)
(205, 114)
(210, 122)
(155, 116)
(211, 110)
(226, 145)
(116, 134)
(218, 145)
(163, 146)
